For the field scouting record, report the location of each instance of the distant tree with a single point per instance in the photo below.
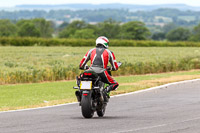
(134, 30)
(175, 19)
(182, 22)
(83, 33)
(71, 28)
(22, 21)
(63, 25)
(168, 27)
(45, 27)
(196, 33)
(77, 24)
(158, 36)
(179, 34)
(28, 29)
(66, 33)
(7, 28)
(109, 28)
(95, 28)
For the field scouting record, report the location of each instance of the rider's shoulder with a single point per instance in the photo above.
(109, 51)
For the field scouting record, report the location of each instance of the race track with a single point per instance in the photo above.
(173, 109)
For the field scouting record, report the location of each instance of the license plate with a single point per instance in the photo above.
(86, 85)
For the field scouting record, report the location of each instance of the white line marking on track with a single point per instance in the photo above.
(157, 126)
(59, 105)
(135, 92)
(157, 87)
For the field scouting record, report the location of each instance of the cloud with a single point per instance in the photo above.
(9, 3)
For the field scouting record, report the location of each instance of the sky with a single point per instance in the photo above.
(11, 3)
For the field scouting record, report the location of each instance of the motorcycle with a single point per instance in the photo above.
(91, 93)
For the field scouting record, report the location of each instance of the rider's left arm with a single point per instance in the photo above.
(113, 62)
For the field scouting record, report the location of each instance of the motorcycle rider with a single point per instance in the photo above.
(100, 56)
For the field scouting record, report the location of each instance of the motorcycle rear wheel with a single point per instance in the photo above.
(86, 107)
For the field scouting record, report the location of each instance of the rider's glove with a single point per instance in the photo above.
(86, 67)
(108, 68)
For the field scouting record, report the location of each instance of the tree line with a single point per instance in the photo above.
(26, 28)
(173, 32)
(133, 30)
(162, 15)
(77, 29)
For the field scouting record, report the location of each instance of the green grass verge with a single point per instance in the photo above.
(51, 93)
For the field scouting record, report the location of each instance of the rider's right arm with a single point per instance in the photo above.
(85, 59)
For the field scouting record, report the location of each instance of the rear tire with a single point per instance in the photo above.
(86, 107)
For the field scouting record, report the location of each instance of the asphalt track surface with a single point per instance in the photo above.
(172, 109)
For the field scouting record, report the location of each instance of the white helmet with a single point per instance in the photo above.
(102, 40)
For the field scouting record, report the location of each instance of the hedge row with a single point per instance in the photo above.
(18, 41)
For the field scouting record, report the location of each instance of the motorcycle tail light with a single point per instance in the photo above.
(87, 74)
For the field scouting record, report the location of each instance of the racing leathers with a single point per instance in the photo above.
(100, 56)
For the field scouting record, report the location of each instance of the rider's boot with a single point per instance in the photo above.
(105, 96)
(108, 89)
(107, 92)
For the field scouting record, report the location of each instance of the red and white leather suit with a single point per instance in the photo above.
(100, 57)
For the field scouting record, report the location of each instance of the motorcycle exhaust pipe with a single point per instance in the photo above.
(78, 96)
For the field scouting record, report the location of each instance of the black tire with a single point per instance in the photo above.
(86, 107)
(101, 112)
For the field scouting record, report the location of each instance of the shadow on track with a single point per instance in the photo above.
(105, 117)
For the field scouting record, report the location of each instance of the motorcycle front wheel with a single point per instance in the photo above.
(101, 112)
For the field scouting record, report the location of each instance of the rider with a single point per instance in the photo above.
(100, 56)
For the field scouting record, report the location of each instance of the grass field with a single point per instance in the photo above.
(38, 64)
(45, 94)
